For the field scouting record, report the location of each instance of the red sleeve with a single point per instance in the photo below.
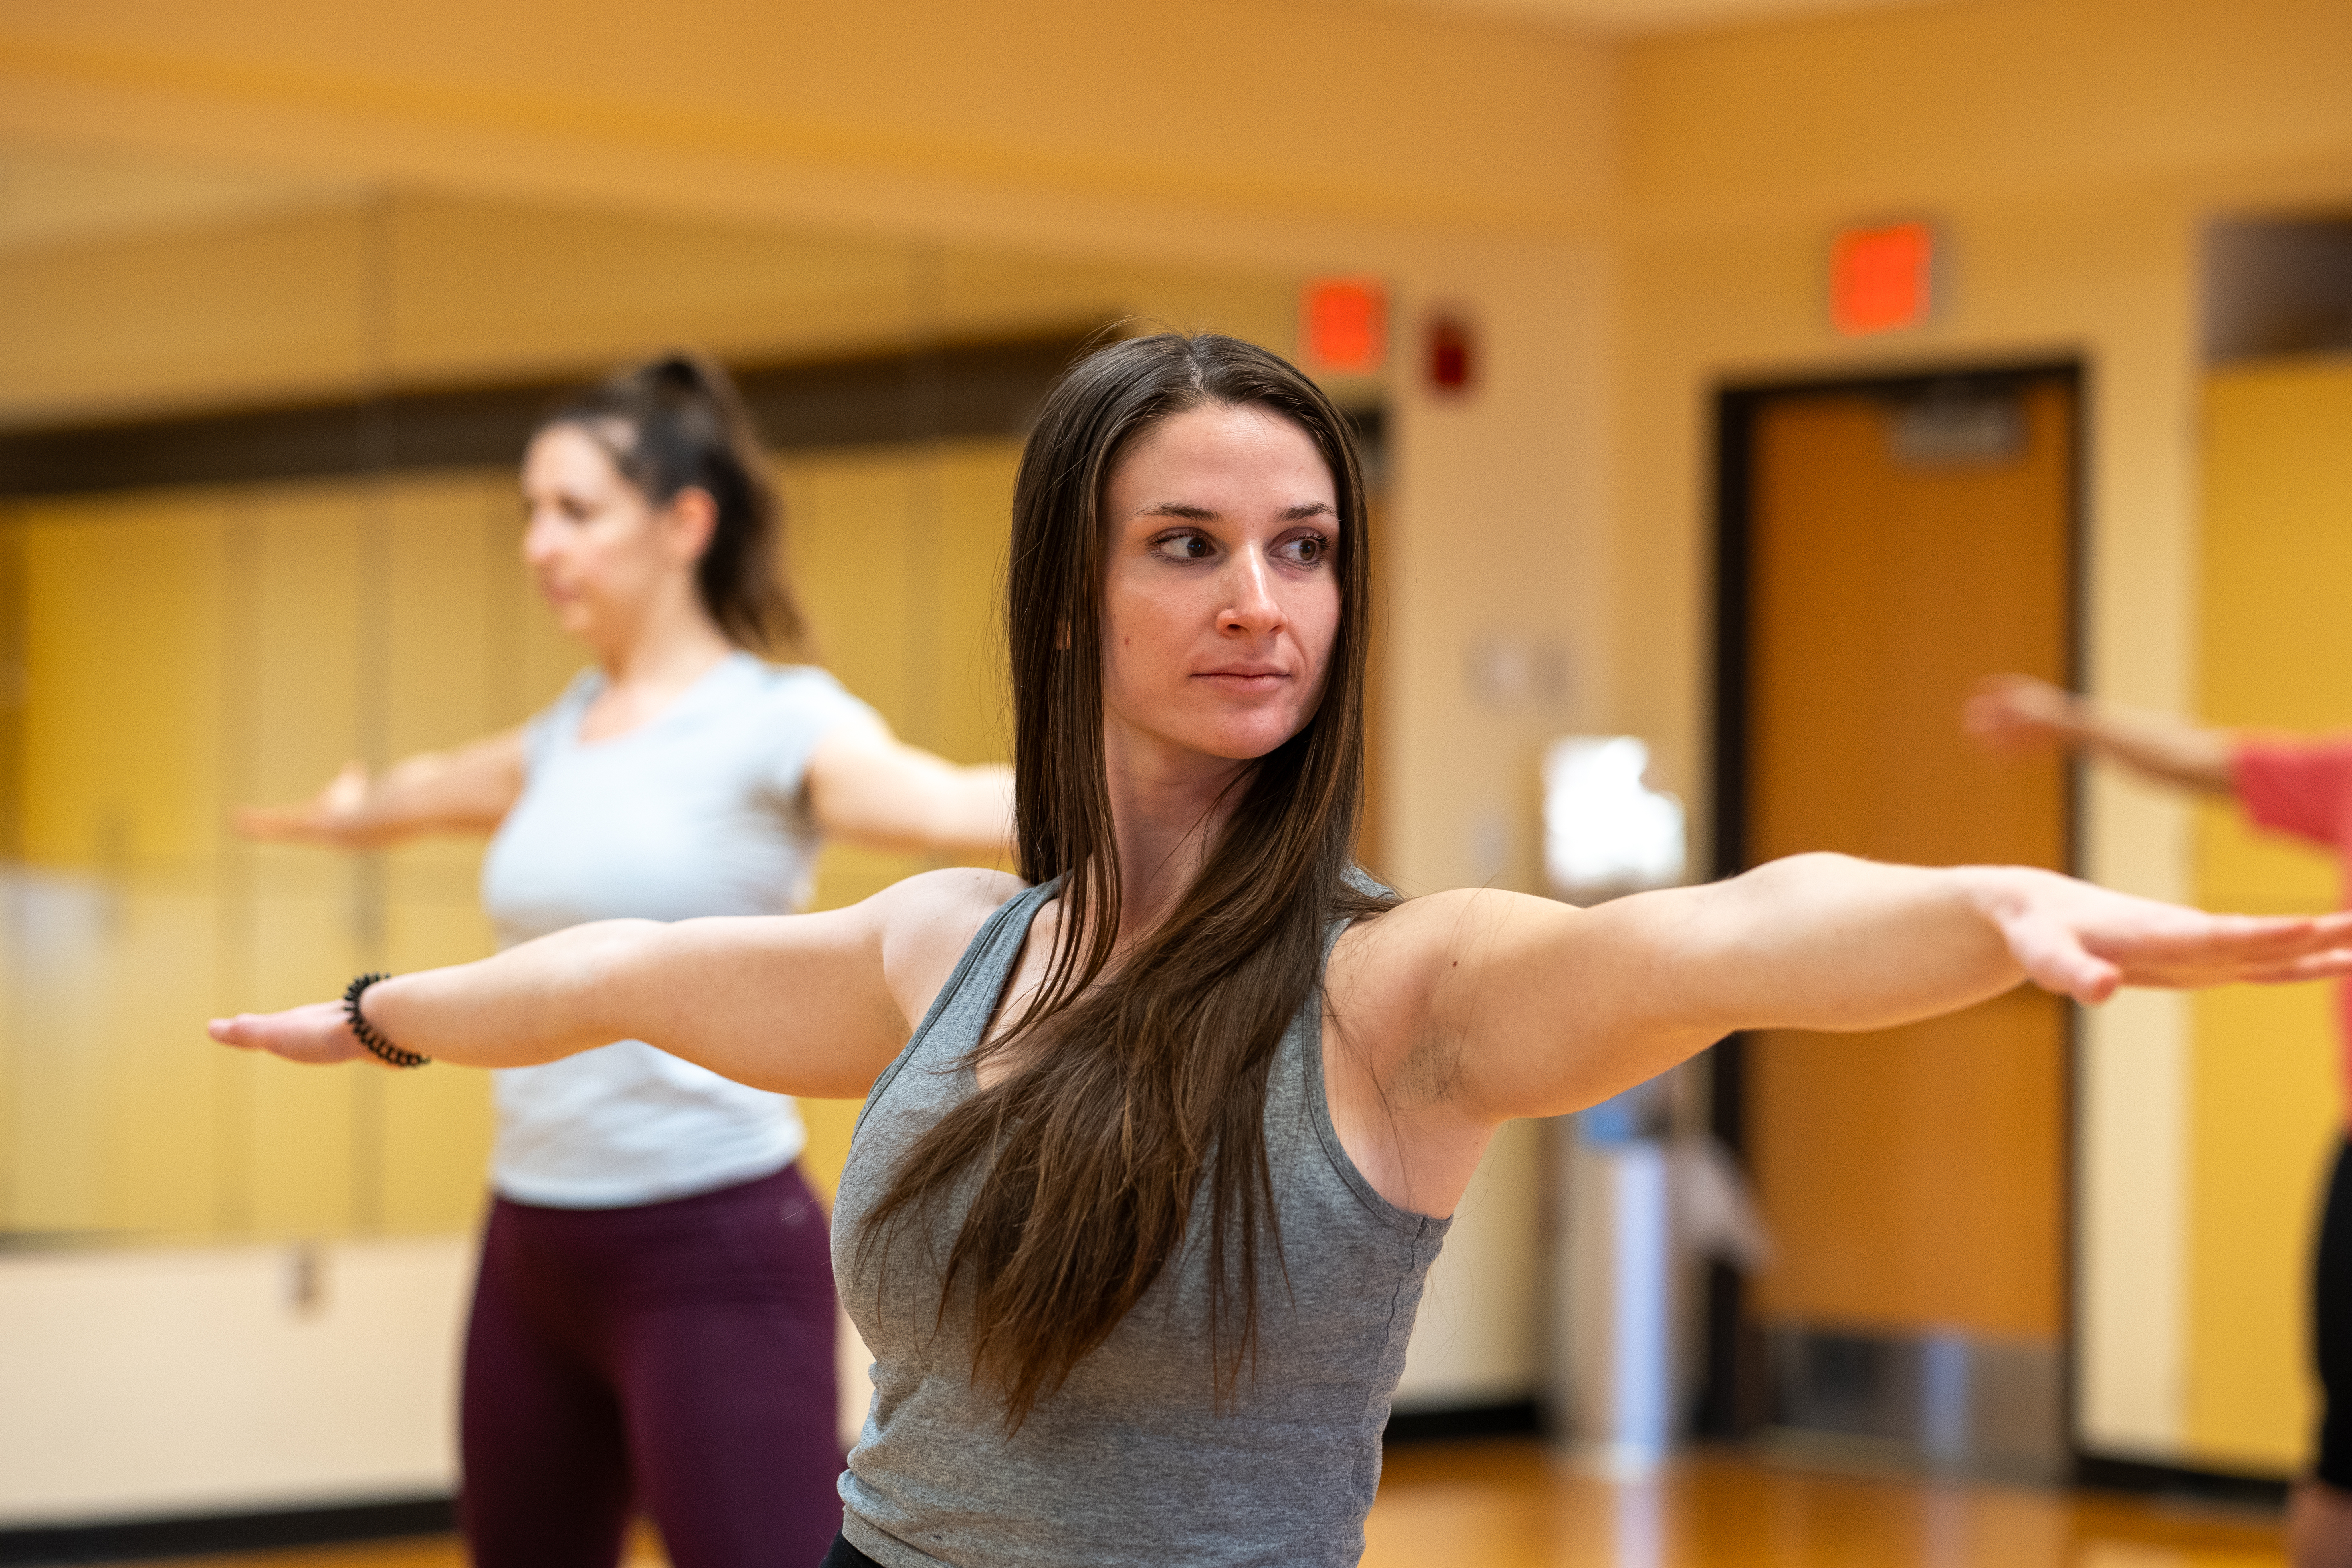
(2302, 787)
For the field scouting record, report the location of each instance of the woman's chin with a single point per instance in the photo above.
(1227, 737)
(576, 619)
(1248, 743)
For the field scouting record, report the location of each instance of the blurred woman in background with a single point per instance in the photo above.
(2290, 784)
(654, 1318)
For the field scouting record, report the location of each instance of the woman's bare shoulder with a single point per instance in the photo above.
(928, 919)
(1441, 924)
(960, 895)
(1394, 967)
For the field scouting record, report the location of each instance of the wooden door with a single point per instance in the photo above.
(1902, 542)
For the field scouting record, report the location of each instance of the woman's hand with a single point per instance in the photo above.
(318, 1035)
(2083, 940)
(2019, 713)
(336, 815)
(468, 790)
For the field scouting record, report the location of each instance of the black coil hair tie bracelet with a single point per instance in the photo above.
(377, 1045)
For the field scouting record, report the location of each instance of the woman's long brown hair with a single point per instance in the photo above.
(1148, 1077)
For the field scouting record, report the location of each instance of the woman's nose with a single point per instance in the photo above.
(1251, 605)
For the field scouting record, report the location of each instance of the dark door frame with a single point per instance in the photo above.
(1732, 1394)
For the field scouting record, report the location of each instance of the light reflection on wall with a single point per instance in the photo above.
(1606, 831)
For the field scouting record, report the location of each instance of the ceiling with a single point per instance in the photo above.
(49, 195)
(1638, 16)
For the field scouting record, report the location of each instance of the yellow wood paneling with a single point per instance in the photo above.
(2262, 1115)
(121, 803)
(898, 555)
(975, 702)
(881, 540)
(2265, 1109)
(189, 650)
(12, 680)
(122, 683)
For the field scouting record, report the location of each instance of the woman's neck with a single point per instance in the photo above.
(650, 669)
(670, 647)
(1165, 811)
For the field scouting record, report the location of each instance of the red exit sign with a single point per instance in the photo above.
(1882, 279)
(1343, 324)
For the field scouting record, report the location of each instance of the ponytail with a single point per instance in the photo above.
(677, 423)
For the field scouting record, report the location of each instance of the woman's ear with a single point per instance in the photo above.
(689, 522)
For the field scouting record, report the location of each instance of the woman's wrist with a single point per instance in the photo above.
(2072, 718)
(365, 1029)
(1998, 895)
(357, 824)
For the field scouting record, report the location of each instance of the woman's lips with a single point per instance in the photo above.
(1244, 679)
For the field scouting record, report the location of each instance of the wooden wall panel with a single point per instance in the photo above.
(188, 649)
(2265, 1107)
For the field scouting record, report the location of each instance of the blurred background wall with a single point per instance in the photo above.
(2074, 154)
(253, 206)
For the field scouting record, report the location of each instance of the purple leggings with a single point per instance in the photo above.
(674, 1358)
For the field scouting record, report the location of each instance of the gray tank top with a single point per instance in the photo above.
(1130, 1462)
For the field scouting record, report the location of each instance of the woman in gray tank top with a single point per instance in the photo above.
(1162, 1134)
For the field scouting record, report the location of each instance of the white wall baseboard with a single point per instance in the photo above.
(191, 1380)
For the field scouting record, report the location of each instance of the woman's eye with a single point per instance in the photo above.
(1309, 548)
(1186, 547)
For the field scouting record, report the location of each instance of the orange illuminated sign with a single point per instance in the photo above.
(1344, 324)
(1882, 278)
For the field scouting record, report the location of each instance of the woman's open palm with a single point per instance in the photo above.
(2083, 940)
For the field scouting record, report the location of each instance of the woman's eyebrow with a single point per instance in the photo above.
(1191, 513)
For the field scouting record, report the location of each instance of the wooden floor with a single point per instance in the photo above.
(1515, 1505)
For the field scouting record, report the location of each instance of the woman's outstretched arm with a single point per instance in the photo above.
(866, 786)
(2017, 712)
(812, 1004)
(1526, 1008)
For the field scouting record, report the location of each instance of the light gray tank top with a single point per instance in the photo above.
(701, 810)
(1130, 1462)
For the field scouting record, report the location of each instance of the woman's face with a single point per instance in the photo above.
(1220, 596)
(601, 552)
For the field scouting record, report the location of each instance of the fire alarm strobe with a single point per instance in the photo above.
(1453, 352)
